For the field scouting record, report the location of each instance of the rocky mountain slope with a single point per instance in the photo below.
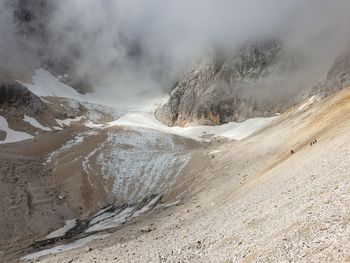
(67, 159)
(247, 161)
(337, 77)
(72, 168)
(223, 88)
(255, 200)
(258, 80)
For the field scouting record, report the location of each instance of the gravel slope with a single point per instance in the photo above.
(253, 201)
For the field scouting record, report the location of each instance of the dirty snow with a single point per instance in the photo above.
(12, 135)
(67, 122)
(120, 216)
(92, 125)
(138, 172)
(35, 123)
(70, 224)
(63, 248)
(147, 207)
(115, 220)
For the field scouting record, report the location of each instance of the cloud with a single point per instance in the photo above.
(133, 46)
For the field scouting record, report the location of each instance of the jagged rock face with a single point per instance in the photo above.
(32, 20)
(18, 99)
(222, 88)
(337, 78)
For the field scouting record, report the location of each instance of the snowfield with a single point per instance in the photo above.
(12, 135)
(46, 85)
(35, 123)
(232, 130)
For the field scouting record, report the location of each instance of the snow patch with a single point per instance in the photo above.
(306, 104)
(70, 224)
(12, 135)
(92, 125)
(35, 123)
(67, 122)
(64, 248)
(46, 85)
(112, 221)
(118, 217)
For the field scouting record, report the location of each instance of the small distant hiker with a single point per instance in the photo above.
(291, 151)
(313, 142)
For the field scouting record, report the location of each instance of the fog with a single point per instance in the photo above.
(130, 48)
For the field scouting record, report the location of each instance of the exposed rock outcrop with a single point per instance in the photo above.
(223, 88)
(337, 78)
(18, 99)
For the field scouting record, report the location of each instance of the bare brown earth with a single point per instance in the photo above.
(254, 201)
(29, 198)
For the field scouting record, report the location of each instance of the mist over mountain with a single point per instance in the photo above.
(130, 48)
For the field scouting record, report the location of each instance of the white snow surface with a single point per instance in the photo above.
(12, 135)
(35, 123)
(46, 85)
(232, 130)
(70, 224)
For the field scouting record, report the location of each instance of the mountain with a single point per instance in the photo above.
(338, 77)
(246, 160)
(223, 88)
(259, 80)
(276, 195)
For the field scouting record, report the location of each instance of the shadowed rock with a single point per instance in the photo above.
(16, 97)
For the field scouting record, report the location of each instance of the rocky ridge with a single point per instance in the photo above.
(259, 80)
(223, 88)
